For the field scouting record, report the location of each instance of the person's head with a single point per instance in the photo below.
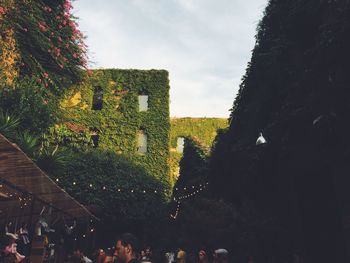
(78, 253)
(202, 256)
(127, 247)
(221, 255)
(8, 243)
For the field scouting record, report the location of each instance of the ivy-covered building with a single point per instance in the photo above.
(124, 111)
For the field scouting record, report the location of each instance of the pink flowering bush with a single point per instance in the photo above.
(51, 48)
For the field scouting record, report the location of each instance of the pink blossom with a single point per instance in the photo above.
(46, 75)
(42, 27)
(58, 52)
(2, 10)
(67, 5)
(74, 55)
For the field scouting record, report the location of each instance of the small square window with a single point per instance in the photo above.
(95, 138)
(180, 144)
(97, 99)
(143, 102)
(141, 141)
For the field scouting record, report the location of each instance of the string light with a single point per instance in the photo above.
(74, 183)
(176, 212)
(192, 193)
(201, 188)
(196, 190)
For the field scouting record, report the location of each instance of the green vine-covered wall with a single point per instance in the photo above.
(118, 122)
(204, 130)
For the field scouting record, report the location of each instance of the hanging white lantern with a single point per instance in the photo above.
(261, 139)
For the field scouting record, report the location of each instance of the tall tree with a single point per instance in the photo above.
(295, 92)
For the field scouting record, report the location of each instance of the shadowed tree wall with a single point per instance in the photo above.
(294, 91)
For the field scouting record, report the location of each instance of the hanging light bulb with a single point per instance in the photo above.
(261, 139)
(317, 120)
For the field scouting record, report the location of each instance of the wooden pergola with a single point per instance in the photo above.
(25, 189)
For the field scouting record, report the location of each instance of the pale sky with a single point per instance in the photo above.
(205, 45)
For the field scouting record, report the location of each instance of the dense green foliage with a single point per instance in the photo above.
(95, 177)
(119, 120)
(203, 130)
(295, 91)
(193, 166)
(36, 112)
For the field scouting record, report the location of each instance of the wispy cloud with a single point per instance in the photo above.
(204, 44)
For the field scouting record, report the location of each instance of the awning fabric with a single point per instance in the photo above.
(22, 181)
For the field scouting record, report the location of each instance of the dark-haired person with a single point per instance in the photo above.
(127, 249)
(8, 249)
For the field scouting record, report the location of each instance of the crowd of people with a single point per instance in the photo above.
(127, 250)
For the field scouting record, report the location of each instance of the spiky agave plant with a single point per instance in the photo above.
(8, 124)
(28, 143)
(52, 160)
